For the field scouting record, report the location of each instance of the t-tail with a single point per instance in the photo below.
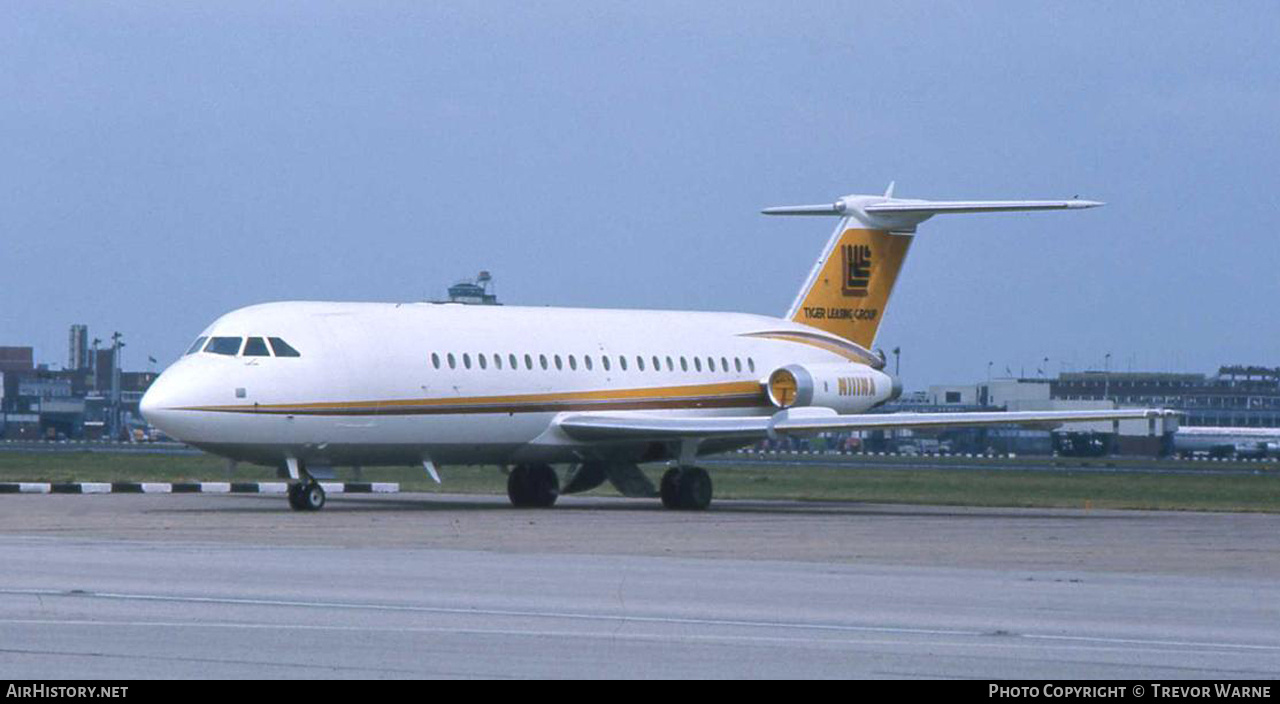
(848, 289)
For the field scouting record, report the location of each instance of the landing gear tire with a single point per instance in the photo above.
(306, 497)
(313, 496)
(669, 490)
(533, 486)
(686, 489)
(295, 497)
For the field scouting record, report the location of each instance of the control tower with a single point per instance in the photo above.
(475, 292)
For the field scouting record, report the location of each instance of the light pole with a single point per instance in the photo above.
(93, 365)
(116, 345)
(1106, 378)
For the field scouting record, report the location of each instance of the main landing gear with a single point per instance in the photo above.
(686, 489)
(537, 486)
(533, 486)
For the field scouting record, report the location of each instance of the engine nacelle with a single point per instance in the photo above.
(844, 388)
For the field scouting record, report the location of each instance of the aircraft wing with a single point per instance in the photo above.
(617, 426)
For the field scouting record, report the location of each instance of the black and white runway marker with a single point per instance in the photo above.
(189, 487)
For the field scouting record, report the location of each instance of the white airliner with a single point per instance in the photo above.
(307, 386)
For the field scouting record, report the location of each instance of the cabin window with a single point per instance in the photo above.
(256, 347)
(511, 359)
(711, 364)
(224, 345)
(684, 364)
(697, 363)
(724, 364)
(587, 361)
(559, 363)
(751, 364)
(481, 360)
(453, 363)
(282, 348)
(497, 361)
(435, 360)
(528, 362)
(639, 363)
(195, 346)
(573, 363)
(657, 365)
(466, 360)
(737, 364)
(542, 359)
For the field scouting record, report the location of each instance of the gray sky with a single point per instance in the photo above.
(161, 164)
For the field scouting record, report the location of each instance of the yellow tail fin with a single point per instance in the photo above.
(849, 288)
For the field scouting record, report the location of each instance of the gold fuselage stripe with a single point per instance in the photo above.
(813, 341)
(743, 394)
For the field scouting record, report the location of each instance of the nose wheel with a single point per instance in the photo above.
(306, 496)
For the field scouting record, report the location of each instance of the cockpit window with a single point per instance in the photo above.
(224, 345)
(256, 347)
(196, 346)
(282, 348)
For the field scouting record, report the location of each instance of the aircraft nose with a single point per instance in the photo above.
(157, 404)
(168, 402)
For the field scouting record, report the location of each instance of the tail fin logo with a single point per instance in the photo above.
(856, 259)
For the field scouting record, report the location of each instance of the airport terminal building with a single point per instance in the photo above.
(95, 400)
(1236, 397)
(1239, 401)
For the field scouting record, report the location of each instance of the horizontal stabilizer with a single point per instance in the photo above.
(888, 213)
(836, 208)
(938, 207)
(848, 288)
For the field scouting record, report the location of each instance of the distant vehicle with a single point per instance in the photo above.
(309, 385)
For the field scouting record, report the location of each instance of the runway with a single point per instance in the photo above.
(141, 586)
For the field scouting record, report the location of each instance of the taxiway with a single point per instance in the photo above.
(138, 586)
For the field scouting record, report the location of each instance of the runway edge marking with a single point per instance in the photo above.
(189, 487)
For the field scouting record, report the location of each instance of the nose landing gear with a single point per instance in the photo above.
(305, 493)
(308, 496)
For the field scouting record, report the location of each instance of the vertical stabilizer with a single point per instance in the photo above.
(848, 288)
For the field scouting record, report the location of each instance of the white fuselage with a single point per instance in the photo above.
(382, 383)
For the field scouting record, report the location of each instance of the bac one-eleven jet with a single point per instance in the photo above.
(307, 386)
